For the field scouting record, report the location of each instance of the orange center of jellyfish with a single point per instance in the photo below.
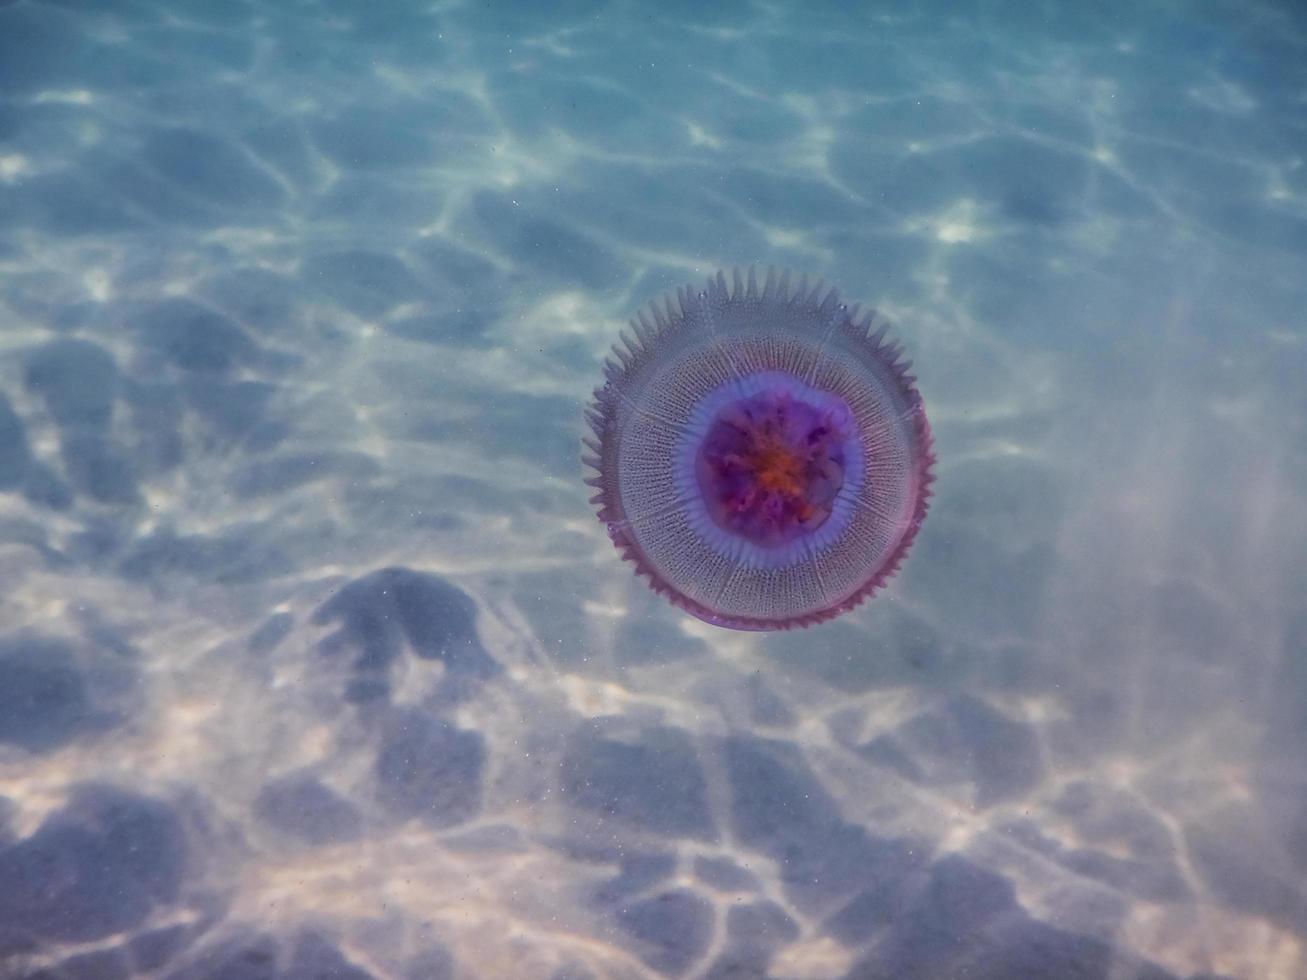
(770, 466)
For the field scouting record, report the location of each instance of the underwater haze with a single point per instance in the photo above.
(314, 659)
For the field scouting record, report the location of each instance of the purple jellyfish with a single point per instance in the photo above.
(762, 455)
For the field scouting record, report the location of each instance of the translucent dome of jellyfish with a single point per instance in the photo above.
(760, 454)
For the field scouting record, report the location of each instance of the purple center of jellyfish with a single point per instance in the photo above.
(771, 464)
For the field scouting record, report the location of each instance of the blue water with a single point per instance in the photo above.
(314, 661)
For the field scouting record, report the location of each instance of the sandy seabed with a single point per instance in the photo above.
(314, 661)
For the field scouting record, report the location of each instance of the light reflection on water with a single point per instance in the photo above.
(313, 660)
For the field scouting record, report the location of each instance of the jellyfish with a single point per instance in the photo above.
(761, 455)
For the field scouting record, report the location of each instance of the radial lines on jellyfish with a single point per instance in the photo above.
(760, 454)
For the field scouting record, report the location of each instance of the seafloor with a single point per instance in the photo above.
(314, 662)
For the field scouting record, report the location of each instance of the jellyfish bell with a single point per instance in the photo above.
(761, 454)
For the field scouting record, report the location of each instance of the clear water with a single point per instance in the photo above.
(313, 659)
